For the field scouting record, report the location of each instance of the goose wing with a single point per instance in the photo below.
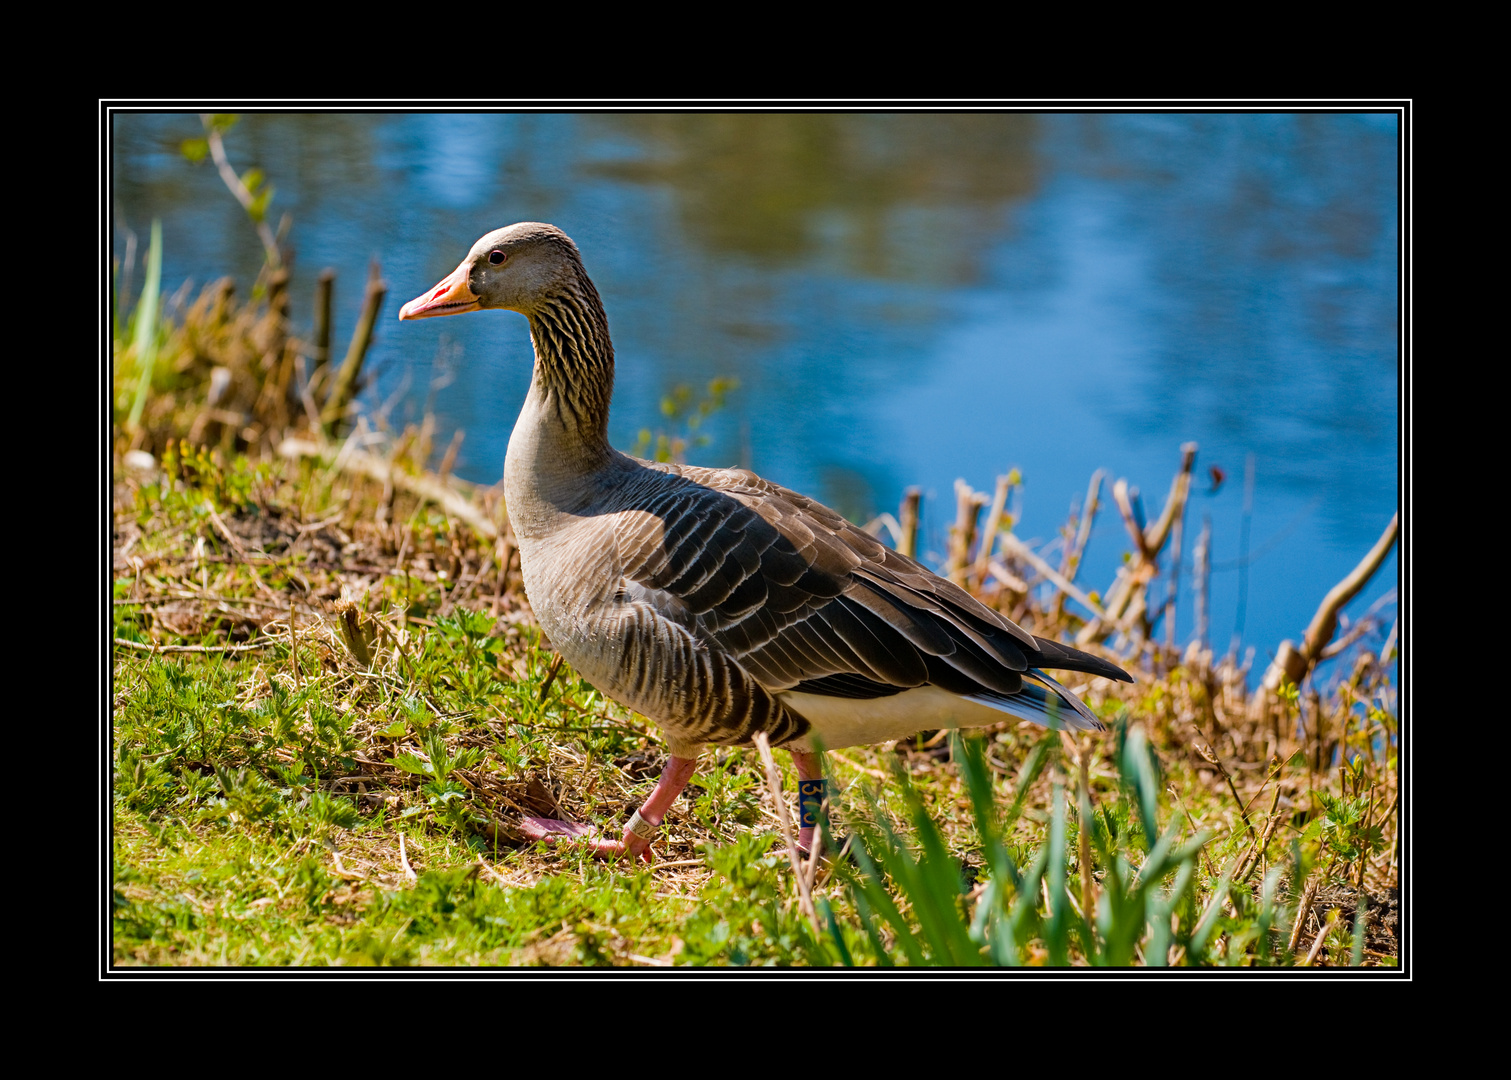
(803, 600)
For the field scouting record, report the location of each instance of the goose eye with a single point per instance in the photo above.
(496, 257)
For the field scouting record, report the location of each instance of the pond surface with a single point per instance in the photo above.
(904, 299)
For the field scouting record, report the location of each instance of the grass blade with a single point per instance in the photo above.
(145, 338)
(1361, 918)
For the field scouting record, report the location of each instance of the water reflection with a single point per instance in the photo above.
(904, 299)
(904, 198)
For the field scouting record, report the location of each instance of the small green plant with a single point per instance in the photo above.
(727, 792)
(444, 796)
(1346, 828)
(745, 918)
(678, 407)
(248, 187)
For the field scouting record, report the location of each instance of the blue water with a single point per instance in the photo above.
(904, 300)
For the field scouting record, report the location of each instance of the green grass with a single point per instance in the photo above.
(348, 792)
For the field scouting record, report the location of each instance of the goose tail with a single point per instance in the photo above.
(1045, 702)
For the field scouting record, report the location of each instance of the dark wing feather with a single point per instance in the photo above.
(1064, 658)
(802, 599)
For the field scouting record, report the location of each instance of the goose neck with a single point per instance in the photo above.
(574, 365)
(561, 439)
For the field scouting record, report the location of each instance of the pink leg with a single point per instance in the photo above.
(673, 779)
(809, 767)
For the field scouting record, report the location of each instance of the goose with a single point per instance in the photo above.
(715, 603)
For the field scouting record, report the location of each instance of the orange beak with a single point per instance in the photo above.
(451, 297)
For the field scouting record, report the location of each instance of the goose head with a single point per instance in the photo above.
(515, 268)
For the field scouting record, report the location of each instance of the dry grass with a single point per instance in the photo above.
(361, 620)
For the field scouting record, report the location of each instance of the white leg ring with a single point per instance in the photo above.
(642, 828)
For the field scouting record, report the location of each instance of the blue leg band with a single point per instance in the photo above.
(810, 797)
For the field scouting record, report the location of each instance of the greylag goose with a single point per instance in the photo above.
(718, 604)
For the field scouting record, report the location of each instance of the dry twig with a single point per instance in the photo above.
(774, 785)
(153, 648)
(1293, 663)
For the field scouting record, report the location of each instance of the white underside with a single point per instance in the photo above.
(840, 722)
